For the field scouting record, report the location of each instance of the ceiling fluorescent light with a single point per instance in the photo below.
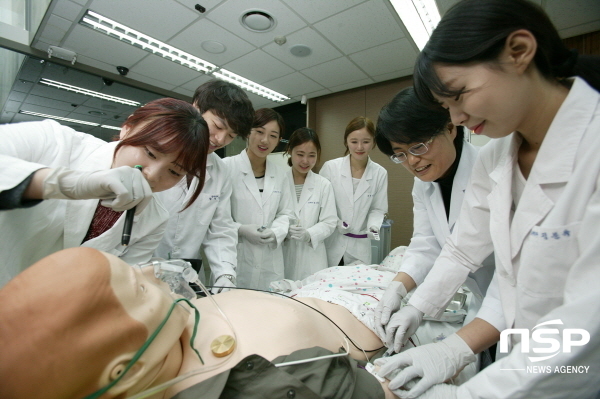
(420, 18)
(60, 118)
(87, 92)
(137, 39)
(249, 85)
(111, 127)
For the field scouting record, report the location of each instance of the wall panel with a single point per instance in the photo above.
(329, 115)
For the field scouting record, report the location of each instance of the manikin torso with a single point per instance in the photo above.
(273, 326)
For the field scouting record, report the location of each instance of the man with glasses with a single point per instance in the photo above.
(425, 142)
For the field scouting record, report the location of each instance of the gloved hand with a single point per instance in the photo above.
(120, 188)
(402, 326)
(342, 226)
(299, 233)
(434, 363)
(222, 284)
(390, 303)
(268, 237)
(373, 233)
(250, 232)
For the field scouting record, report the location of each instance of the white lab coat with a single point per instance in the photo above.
(259, 265)
(432, 227)
(29, 234)
(554, 240)
(317, 214)
(361, 209)
(206, 224)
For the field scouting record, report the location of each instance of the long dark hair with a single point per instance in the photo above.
(476, 31)
(301, 136)
(172, 126)
(263, 116)
(406, 120)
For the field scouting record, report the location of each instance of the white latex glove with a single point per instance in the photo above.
(299, 233)
(222, 284)
(120, 188)
(250, 232)
(342, 226)
(433, 363)
(402, 326)
(285, 285)
(390, 303)
(373, 233)
(268, 237)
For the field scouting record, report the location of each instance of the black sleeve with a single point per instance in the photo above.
(13, 198)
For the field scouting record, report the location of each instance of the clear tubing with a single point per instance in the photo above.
(165, 385)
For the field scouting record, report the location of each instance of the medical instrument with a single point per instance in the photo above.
(314, 359)
(129, 214)
(261, 229)
(375, 235)
(370, 367)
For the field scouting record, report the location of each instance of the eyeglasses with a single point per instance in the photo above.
(417, 149)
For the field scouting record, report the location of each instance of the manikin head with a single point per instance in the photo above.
(72, 322)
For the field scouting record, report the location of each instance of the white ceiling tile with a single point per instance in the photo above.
(322, 50)
(197, 81)
(318, 93)
(160, 19)
(208, 4)
(294, 84)
(12, 106)
(261, 102)
(316, 10)
(393, 75)
(82, 59)
(43, 91)
(389, 57)
(190, 40)
(67, 9)
(228, 15)
(17, 96)
(42, 45)
(345, 31)
(82, 2)
(92, 44)
(53, 107)
(259, 67)
(352, 85)
(55, 29)
(185, 92)
(151, 81)
(161, 69)
(444, 5)
(335, 73)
